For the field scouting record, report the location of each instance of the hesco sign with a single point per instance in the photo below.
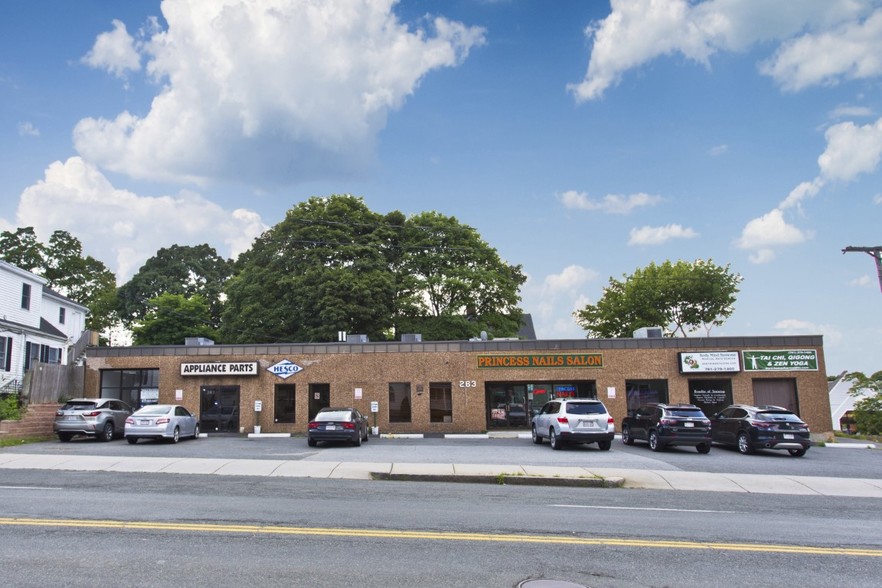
(556, 360)
(780, 360)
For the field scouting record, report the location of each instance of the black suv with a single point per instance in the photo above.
(665, 425)
(768, 427)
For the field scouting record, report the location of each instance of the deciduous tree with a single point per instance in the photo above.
(681, 297)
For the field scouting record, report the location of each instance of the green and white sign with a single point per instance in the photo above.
(780, 360)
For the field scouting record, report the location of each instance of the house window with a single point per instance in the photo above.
(399, 402)
(284, 404)
(440, 402)
(61, 316)
(5, 353)
(26, 296)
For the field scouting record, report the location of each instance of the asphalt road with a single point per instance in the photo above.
(82, 528)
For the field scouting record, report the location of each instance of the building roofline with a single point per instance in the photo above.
(491, 346)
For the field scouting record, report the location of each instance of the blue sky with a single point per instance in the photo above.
(582, 138)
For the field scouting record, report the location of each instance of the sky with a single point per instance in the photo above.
(583, 139)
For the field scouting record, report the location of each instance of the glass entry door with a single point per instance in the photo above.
(219, 409)
(319, 398)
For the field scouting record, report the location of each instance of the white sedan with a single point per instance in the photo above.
(161, 421)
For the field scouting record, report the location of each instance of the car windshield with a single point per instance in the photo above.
(585, 408)
(334, 415)
(788, 417)
(79, 406)
(687, 412)
(154, 410)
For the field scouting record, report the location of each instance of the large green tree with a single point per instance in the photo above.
(455, 284)
(61, 262)
(171, 318)
(681, 297)
(321, 270)
(179, 269)
(334, 265)
(867, 410)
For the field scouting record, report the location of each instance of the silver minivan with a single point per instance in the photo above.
(574, 420)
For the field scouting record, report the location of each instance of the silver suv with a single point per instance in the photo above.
(574, 421)
(102, 418)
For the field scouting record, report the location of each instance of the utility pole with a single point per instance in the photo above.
(875, 252)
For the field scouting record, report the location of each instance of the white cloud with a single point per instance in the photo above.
(272, 92)
(114, 51)
(639, 31)
(851, 150)
(611, 203)
(877, 199)
(27, 129)
(848, 111)
(658, 235)
(553, 299)
(767, 231)
(802, 192)
(719, 150)
(117, 224)
(849, 51)
(832, 335)
(862, 281)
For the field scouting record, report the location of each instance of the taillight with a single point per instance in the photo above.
(92, 414)
(59, 413)
(667, 422)
(313, 425)
(130, 421)
(610, 421)
(762, 424)
(563, 420)
(349, 425)
(162, 421)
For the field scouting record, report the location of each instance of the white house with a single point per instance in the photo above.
(36, 324)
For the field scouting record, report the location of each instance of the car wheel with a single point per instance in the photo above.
(132, 440)
(536, 438)
(65, 437)
(553, 440)
(654, 442)
(366, 437)
(357, 440)
(107, 432)
(626, 436)
(196, 432)
(703, 447)
(796, 452)
(604, 445)
(311, 442)
(744, 445)
(176, 436)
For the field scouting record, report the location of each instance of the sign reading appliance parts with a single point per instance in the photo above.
(233, 368)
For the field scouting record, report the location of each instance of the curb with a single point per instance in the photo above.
(505, 480)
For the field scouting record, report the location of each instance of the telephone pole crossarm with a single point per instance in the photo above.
(875, 252)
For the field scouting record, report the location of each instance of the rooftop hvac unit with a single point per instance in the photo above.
(356, 338)
(198, 341)
(411, 337)
(649, 333)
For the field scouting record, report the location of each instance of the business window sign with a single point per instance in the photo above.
(780, 360)
(709, 361)
(284, 368)
(236, 368)
(555, 360)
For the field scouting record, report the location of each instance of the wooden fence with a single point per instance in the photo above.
(50, 382)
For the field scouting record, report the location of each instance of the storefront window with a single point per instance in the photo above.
(440, 402)
(640, 392)
(399, 402)
(134, 387)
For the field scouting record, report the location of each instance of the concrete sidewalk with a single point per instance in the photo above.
(474, 473)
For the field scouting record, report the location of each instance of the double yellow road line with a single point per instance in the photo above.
(437, 536)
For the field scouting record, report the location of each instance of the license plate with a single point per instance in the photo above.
(71, 417)
(330, 427)
(688, 424)
(144, 422)
(788, 435)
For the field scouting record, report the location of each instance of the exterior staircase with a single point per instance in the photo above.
(35, 422)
